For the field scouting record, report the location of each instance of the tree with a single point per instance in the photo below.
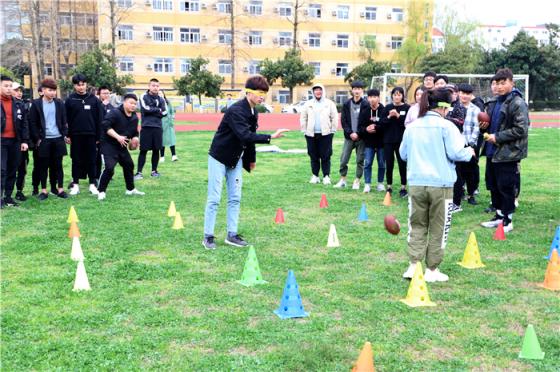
(367, 70)
(199, 81)
(11, 55)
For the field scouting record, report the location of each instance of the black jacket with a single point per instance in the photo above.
(84, 114)
(346, 118)
(107, 108)
(19, 115)
(369, 116)
(393, 128)
(153, 108)
(236, 134)
(37, 126)
(124, 125)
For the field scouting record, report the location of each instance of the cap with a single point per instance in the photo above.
(16, 86)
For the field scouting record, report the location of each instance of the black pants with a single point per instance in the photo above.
(10, 155)
(36, 173)
(500, 180)
(98, 163)
(465, 174)
(142, 160)
(22, 170)
(110, 160)
(390, 149)
(83, 151)
(319, 149)
(50, 153)
(518, 180)
(162, 151)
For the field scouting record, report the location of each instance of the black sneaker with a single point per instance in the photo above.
(62, 194)
(472, 201)
(490, 209)
(236, 240)
(155, 174)
(2, 204)
(403, 193)
(43, 196)
(20, 196)
(390, 190)
(35, 192)
(9, 201)
(209, 243)
(54, 191)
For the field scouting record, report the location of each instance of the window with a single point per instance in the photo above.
(341, 69)
(342, 12)
(255, 7)
(224, 36)
(126, 64)
(162, 4)
(255, 38)
(224, 7)
(399, 14)
(314, 10)
(254, 67)
(340, 96)
(48, 69)
(163, 65)
(66, 68)
(124, 32)
(224, 67)
(189, 6)
(396, 42)
(342, 41)
(44, 18)
(316, 67)
(283, 96)
(189, 35)
(164, 34)
(124, 3)
(284, 38)
(370, 13)
(185, 65)
(314, 40)
(285, 10)
(66, 19)
(84, 45)
(395, 68)
(45, 43)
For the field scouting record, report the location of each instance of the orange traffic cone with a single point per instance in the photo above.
(279, 216)
(74, 232)
(499, 234)
(365, 360)
(387, 199)
(324, 203)
(552, 275)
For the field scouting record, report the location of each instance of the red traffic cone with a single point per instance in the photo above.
(279, 216)
(499, 234)
(324, 203)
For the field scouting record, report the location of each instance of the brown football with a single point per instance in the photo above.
(392, 225)
(483, 117)
(133, 144)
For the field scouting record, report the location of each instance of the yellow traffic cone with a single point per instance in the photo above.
(178, 222)
(333, 242)
(81, 283)
(72, 215)
(418, 290)
(471, 257)
(77, 254)
(387, 199)
(365, 360)
(171, 211)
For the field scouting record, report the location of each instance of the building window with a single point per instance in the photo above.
(124, 3)
(255, 38)
(341, 69)
(66, 68)
(285, 10)
(84, 45)
(316, 67)
(255, 67)
(185, 66)
(396, 42)
(398, 14)
(126, 64)
(66, 19)
(162, 4)
(395, 68)
(163, 65)
(314, 10)
(45, 43)
(224, 7)
(224, 37)
(340, 96)
(164, 34)
(124, 32)
(343, 12)
(342, 41)
(48, 69)
(189, 6)
(224, 67)
(314, 40)
(285, 38)
(283, 96)
(190, 35)
(370, 13)
(255, 7)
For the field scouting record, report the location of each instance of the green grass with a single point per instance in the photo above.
(159, 301)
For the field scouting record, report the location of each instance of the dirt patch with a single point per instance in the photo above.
(241, 350)
(430, 353)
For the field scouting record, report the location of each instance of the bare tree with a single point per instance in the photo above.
(295, 21)
(37, 50)
(232, 45)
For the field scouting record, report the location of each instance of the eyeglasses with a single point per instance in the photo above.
(259, 93)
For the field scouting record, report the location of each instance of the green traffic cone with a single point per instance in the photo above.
(531, 348)
(251, 272)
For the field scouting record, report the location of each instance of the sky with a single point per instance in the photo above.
(498, 12)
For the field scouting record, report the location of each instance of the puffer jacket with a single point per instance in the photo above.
(328, 115)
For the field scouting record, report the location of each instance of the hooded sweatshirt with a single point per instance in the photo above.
(84, 113)
(319, 115)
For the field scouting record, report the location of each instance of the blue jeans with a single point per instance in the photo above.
(369, 154)
(216, 173)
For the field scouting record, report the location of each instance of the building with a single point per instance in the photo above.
(438, 42)
(495, 36)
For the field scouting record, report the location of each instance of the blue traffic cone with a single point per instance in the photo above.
(290, 304)
(363, 214)
(555, 243)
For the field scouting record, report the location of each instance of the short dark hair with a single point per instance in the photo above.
(130, 95)
(398, 89)
(103, 87)
(503, 74)
(78, 78)
(428, 74)
(357, 84)
(6, 78)
(431, 98)
(49, 83)
(444, 77)
(154, 80)
(373, 93)
(257, 82)
(465, 88)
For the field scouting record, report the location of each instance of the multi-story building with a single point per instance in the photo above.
(496, 36)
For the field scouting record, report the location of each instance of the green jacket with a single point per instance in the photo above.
(167, 123)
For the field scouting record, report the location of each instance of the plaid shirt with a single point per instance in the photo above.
(470, 127)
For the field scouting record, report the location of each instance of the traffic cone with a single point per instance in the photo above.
(365, 360)
(72, 215)
(418, 290)
(387, 199)
(531, 348)
(81, 283)
(324, 203)
(251, 272)
(471, 257)
(171, 211)
(74, 232)
(499, 233)
(279, 216)
(552, 275)
(363, 213)
(178, 222)
(76, 254)
(333, 242)
(555, 243)
(290, 304)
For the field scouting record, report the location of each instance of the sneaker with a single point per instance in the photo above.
(456, 208)
(155, 174)
(43, 196)
(516, 202)
(476, 192)
(236, 240)
(2, 204)
(314, 179)
(101, 195)
(134, 192)
(356, 184)
(493, 223)
(409, 273)
(380, 187)
(10, 202)
(54, 191)
(490, 209)
(62, 194)
(390, 190)
(162, 159)
(508, 226)
(138, 176)
(209, 243)
(367, 188)
(403, 193)
(174, 158)
(472, 201)
(435, 276)
(35, 192)
(326, 180)
(93, 189)
(340, 184)
(75, 190)
(20, 196)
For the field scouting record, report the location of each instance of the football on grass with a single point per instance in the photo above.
(133, 144)
(392, 225)
(483, 117)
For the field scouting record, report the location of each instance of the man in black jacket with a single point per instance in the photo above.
(152, 108)
(84, 112)
(15, 136)
(232, 149)
(17, 91)
(104, 95)
(120, 129)
(49, 132)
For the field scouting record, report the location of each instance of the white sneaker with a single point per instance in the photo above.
(101, 196)
(314, 179)
(93, 189)
(380, 187)
(162, 159)
(356, 184)
(435, 276)
(75, 190)
(326, 180)
(341, 183)
(493, 223)
(409, 273)
(174, 158)
(508, 227)
(134, 192)
(367, 188)
(516, 203)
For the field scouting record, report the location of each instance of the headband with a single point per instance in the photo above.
(443, 104)
(260, 93)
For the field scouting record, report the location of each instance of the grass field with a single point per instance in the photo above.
(160, 301)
